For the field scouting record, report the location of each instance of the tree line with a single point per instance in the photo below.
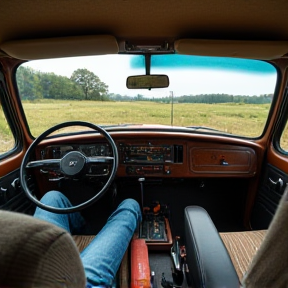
(219, 98)
(85, 85)
(203, 98)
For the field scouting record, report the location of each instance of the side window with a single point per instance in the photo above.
(284, 139)
(7, 141)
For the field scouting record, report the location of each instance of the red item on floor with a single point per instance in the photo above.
(140, 269)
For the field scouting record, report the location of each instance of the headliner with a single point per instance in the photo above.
(145, 21)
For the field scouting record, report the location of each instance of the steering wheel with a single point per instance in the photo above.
(70, 165)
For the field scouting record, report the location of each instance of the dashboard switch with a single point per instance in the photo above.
(167, 169)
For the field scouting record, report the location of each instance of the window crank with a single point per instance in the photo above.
(279, 183)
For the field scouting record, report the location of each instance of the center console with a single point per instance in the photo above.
(153, 230)
(149, 159)
(153, 245)
(155, 227)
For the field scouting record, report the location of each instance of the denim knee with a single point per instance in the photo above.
(53, 197)
(132, 205)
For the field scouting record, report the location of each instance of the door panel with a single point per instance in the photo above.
(271, 190)
(12, 197)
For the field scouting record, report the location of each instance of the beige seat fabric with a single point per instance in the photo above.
(242, 247)
(34, 253)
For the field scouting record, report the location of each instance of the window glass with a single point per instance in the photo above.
(7, 141)
(205, 94)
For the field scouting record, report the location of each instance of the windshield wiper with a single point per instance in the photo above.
(207, 128)
(117, 125)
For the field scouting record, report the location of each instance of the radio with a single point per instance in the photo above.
(149, 159)
(145, 154)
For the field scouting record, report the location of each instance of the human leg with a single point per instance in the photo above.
(102, 257)
(71, 222)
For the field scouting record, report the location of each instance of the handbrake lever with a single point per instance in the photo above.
(177, 274)
(175, 254)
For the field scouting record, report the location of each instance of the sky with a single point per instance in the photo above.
(189, 75)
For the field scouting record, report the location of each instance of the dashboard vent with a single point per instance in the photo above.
(178, 153)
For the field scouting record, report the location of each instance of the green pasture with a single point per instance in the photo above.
(241, 119)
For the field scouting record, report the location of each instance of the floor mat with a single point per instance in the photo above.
(161, 262)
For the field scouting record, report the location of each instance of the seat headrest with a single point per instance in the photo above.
(35, 253)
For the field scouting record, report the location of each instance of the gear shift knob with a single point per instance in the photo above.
(141, 180)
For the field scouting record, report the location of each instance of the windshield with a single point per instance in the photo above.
(226, 95)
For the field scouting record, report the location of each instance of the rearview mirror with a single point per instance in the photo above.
(147, 81)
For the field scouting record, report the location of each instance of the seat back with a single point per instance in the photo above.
(35, 253)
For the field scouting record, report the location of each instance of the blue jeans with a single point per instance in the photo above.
(102, 257)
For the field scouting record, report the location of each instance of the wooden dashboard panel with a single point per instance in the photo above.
(202, 155)
(219, 159)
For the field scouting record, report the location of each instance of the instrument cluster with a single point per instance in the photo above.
(89, 150)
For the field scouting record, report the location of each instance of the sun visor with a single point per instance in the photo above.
(61, 47)
(265, 50)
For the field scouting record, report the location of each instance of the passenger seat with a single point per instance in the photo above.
(251, 258)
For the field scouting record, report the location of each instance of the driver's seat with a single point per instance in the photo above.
(34, 253)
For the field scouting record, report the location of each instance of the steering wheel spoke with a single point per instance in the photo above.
(45, 163)
(100, 159)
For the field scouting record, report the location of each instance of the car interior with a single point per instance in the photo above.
(180, 105)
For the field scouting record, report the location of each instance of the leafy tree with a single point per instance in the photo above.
(29, 84)
(90, 83)
(34, 84)
(60, 87)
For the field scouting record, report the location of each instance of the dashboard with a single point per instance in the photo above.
(161, 155)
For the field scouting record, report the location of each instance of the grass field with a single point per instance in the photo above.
(246, 119)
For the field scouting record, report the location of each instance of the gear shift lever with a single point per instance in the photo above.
(141, 180)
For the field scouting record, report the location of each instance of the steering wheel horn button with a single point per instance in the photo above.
(72, 163)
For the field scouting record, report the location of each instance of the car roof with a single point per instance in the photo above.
(145, 22)
(134, 19)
